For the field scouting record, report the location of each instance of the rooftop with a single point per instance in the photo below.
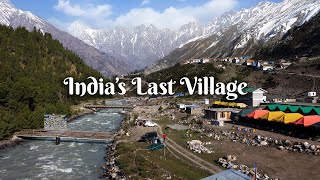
(298, 104)
(228, 175)
(224, 109)
(252, 89)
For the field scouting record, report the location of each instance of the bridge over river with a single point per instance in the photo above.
(124, 107)
(66, 136)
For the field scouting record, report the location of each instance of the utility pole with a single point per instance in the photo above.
(314, 84)
(164, 150)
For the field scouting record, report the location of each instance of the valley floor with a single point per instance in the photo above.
(177, 161)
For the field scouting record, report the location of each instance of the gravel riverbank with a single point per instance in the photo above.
(11, 142)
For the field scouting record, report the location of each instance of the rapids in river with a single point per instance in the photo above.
(68, 160)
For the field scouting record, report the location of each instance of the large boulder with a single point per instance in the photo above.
(306, 145)
(264, 143)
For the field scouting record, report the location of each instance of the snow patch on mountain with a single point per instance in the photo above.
(101, 61)
(243, 32)
(192, 40)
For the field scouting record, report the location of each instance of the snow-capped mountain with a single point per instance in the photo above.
(140, 46)
(244, 32)
(233, 33)
(266, 20)
(99, 60)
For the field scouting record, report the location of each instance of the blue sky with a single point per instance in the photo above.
(108, 13)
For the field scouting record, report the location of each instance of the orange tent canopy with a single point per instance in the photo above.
(257, 113)
(308, 120)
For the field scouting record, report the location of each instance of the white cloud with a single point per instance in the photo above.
(144, 2)
(88, 12)
(98, 16)
(175, 17)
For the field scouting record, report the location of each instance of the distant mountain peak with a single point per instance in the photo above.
(5, 1)
(101, 61)
(239, 33)
(140, 46)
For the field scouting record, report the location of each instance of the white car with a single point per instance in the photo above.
(150, 124)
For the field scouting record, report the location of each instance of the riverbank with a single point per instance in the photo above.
(10, 142)
(80, 114)
(78, 109)
(42, 159)
(111, 168)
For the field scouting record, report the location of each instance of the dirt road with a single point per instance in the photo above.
(189, 155)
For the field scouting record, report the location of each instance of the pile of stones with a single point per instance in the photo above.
(198, 147)
(229, 162)
(111, 170)
(258, 140)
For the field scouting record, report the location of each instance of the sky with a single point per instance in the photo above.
(103, 14)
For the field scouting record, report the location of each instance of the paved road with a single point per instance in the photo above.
(189, 155)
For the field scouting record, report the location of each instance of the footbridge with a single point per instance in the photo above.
(66, 136)
(93, 107)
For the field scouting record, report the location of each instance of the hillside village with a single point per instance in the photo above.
(245, 61)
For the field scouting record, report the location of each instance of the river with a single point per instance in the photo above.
(69, 160)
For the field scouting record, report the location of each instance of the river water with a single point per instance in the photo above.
(69, 160)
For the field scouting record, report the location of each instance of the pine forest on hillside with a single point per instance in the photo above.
(32, 69)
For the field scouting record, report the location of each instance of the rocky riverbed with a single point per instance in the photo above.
(68, 160)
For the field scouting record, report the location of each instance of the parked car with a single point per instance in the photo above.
(150, 136)
(150, 124)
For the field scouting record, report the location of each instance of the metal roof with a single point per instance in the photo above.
(229, 174)
(224, 109)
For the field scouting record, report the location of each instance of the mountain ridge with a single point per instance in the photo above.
(101, 61)
(234, 33)
(244, 32)
(142, 45)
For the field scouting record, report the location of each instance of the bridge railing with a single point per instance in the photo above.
(108, 106)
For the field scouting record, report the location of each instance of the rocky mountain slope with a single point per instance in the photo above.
(99, 60)
(244, 32)
(301, 41)
(140, 46)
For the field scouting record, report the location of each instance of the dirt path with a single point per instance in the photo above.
(189, 155)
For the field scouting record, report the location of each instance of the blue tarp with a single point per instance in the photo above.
(229, 174)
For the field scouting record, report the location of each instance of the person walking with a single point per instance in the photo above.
(164, 137)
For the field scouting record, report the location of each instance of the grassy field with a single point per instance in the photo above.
(139, 163)
(181, 138)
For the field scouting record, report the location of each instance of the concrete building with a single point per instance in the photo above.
(193, 109)
(277, 98)
(267, 67)
(249, 62)
(194, 61)
(254, 97)
(204, 60)
(220, 114)
(181, 106)
(206, 101)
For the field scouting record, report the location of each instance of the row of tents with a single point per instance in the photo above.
(282, 117)
(305, 110)
(286, 118)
